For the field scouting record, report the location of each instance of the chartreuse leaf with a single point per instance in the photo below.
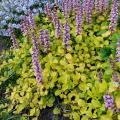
(19, 108)
(96, 103)
(102, 87)
(117, 101)
(112, 87)
(76, 116)
(56, 110)
(69, 57)
(106, 34)
(85, 117)
(79, 38)
(32, 112)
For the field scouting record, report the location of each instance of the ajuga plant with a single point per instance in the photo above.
(70, 64)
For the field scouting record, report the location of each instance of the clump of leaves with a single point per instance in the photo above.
(71, 83)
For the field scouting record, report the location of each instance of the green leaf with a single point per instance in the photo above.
(102, 87)
(79, 38)
(56, 110)
(32, 112)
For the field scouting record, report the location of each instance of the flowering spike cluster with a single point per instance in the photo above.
(36, 65)
(41, 37)
(65, 9)
(89, 7)
(35, 61)
(44, 39)
(13, 38)
(97, 5)
(55, 17)
(58, 28)
(66, 34)
(48, 10)
(101, 5)
(25, 26)
(114, 16)
(115, 77)
(31, 21)
(79, 19)
(84, 5)
(56, 23)
(118, 51)
(34, 41)
(109, 101)
(70, 5)
(105, 4)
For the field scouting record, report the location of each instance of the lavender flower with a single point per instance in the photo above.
(76, 3)
(13, 38)
(41, 37)
(112, 62)
(55, 17)
(109, 101)
(65, 9)
(88, 10)
(48, 10)
(56, 23)
(70, 5)
(58, 29)
(25, 26)
(84, 5)
(36, 65)
(114, 16)
(66, 34)
(46, 41)
(97, 5)
(115, 77)
(31, 21)
(79, 19)
(118, 52)
(35, 44)
(106, 4)
(103, 4)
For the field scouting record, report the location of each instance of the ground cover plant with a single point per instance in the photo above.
(68, 61)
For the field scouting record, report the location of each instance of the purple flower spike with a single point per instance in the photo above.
(97, 5)
(55, 17)
(13, 38)
(79, 19)
(70, 5)
(88, 10)
(114, 16)
(57, 24)
(25, 26)
(84, 5)
(41, 37)
(65, 9)
(31, 21)
(115, 77)
(58, 30)
(109, 101)
(66, 34)
(103, 4)
(36, 65)
(35, 44)
(48, 10)
(46, 41)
